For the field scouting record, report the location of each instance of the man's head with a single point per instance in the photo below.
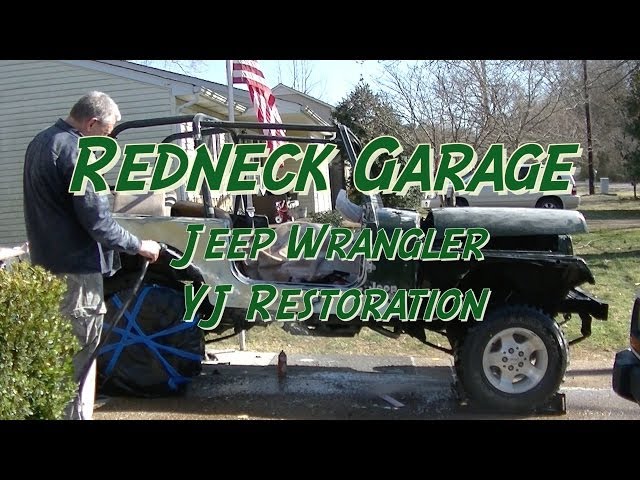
(94, 114)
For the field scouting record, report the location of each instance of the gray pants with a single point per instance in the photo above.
(84, 305)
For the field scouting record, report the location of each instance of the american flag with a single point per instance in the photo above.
(248, 72)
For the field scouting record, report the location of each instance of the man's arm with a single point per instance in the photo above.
(94, 215)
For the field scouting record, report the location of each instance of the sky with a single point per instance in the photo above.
(332, 79)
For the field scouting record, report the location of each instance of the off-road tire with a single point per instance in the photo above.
(138, 371)
(473, 360)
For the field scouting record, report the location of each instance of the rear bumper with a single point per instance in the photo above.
(626, 376)
(571, 202)
(578, 301)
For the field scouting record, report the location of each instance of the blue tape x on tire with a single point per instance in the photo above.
(151, 352)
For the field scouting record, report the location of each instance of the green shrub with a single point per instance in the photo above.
(36, 345)
(331, 217)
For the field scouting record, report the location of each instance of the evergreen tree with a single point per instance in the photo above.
(370, 115)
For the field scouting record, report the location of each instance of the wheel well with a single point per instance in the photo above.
(522, 283)
(158, 272)
(557, 199)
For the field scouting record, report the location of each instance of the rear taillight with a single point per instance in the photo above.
(574, 190)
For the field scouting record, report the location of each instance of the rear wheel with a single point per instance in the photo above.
(549, 202)
(514, 360)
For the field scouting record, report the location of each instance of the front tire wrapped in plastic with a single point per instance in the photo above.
(151, 352)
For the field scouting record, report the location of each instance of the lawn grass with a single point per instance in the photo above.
(612, 251)
(613, 254)
(614, 259)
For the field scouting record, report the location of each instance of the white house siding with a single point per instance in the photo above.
(33, 94)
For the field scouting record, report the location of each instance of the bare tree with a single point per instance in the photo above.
(607, 86)
(303, 78)
(514, 101)
(475, 101)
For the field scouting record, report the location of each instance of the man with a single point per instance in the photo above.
(75, 236)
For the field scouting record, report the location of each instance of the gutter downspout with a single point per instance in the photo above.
(194, 98)
(182, 194)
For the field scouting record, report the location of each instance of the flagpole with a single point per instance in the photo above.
(231, 115)
(242, 337)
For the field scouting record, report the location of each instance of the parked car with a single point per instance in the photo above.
(487, 197)
(626, 368)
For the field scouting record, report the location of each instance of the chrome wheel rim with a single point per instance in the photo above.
(515, 360)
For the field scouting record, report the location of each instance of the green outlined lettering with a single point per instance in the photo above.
(307, 302)
(453, 172)
(242, 164)
(557, 152)
(192, 302)
(166, 153)
(490, 171)
(327, 294)
(237, 245)
(275, 185)
(85, 171)
(286, 306)
(453, 296)
(345, 313)
(215, 242)
(310, 169)
(259, 303)
(473, 305)
(477, 238)
(130, 166)
(417, 172)
(308, 246)
(340, 238)
(370, 153)
(232, 170)
(263, 238)
(203, 168)
(374, 298)
(193, 231)
(512, 182)
(221, 293)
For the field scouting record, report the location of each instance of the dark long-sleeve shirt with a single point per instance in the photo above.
(67, 233)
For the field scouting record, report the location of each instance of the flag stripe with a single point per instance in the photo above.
(239, 64)
(250, 81)
(247, 68)
(262, 98)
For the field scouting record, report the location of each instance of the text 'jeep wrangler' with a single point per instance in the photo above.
(513, 360)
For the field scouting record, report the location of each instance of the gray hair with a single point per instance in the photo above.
(96, 105)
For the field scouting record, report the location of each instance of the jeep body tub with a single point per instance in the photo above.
(513, 360)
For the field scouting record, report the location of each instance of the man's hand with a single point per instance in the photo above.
(149, 249)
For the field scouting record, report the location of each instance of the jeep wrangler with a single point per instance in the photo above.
(513, 360)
